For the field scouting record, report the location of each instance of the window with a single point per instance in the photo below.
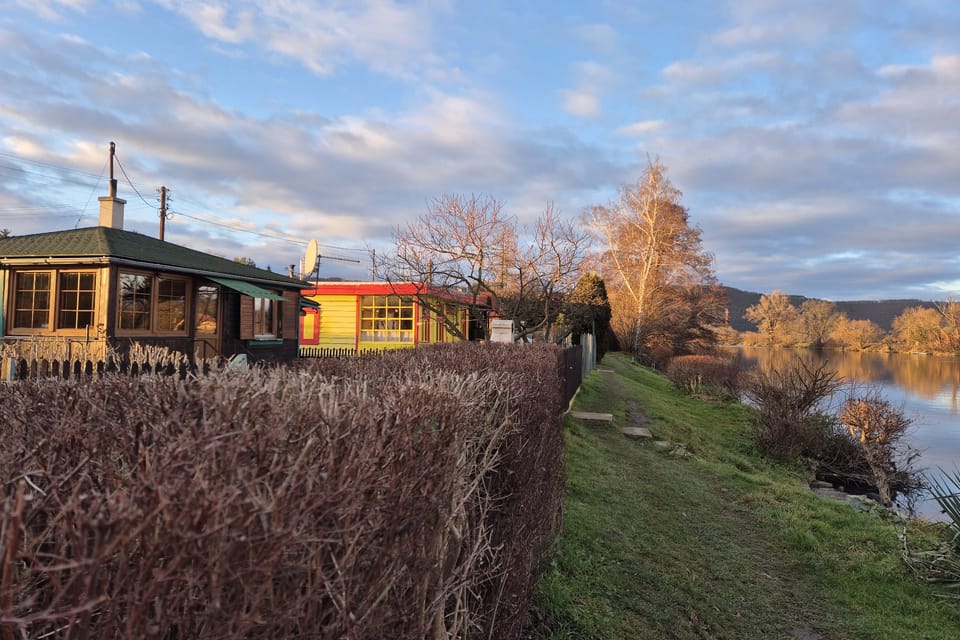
(264, 319)
(386, 319)
(136, 295)
(208, 308)
(40, 298)
(31, 300)
(171, 304)
(423, 335)
(152, 304)
(78, 293)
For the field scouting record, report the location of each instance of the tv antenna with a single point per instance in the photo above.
(311, 260)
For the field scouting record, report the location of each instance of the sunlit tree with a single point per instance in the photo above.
(818, 319)
(776, 318)
(918, 329)
(654, 265)
(858, 335)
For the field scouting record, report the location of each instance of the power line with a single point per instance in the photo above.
(99, 178)
(129, 182)
(48, 165)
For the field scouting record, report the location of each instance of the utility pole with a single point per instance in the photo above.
(163, 209)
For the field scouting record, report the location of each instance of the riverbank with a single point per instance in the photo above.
(704, 538)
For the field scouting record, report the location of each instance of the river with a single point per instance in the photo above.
(926, 388)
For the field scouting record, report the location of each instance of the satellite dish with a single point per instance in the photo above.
(310, 259)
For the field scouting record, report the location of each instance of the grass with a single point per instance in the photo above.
(707, 539)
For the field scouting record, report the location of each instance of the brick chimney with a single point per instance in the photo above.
(111, 207)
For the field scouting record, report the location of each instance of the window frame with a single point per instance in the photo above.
(59, 310)
(153, 313)
(55, 278)
(387, 319)
(262, 307)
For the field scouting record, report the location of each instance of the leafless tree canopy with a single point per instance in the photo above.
(469, 245)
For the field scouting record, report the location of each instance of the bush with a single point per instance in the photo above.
(878, 427)
(788, 421)
(705, 374)
(405, 496)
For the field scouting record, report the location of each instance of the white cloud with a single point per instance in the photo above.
(717, 71)
(582, 104)
(591, 79)
(598, 36)
(387, 36)
(642, 128)
(52, 9)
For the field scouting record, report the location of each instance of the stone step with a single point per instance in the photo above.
(591, 415)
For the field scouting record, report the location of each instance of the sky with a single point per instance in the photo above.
(816, 143)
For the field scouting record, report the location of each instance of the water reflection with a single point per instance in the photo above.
(935, 379)
(926, 387)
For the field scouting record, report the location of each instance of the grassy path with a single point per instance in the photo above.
(706, 539)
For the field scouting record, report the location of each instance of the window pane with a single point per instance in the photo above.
(135, 297)
(171, 304)
(31, 307)
(208, 308)
(386, 319)
(77, 298)
(263, 318)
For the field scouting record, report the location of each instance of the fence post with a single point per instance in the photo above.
(8, 369)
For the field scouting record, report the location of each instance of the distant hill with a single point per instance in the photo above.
(881, 312)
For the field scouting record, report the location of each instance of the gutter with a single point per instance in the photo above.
(105, 260)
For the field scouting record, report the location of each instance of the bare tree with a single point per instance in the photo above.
(775, 317)
(469, 246)
(547, 264)
(857, 334)
(5, 233)
(919, 329)
(950, 312)
(653, 259)
(818, 319)
(878, 427)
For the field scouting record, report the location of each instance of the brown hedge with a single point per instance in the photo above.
(410, 495)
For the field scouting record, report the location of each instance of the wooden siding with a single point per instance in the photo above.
(246, 318)
(290, 315)
(338, 321)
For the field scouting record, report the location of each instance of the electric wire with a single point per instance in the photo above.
(99, 178)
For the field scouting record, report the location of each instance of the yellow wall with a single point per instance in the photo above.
(338, 321)
(338, 325)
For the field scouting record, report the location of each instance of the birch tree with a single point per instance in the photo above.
(653, 263)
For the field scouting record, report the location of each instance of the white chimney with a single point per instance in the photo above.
(111, 207)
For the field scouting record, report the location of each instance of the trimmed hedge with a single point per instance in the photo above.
(410, 495)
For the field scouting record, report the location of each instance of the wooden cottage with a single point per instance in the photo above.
(99, 286)
(354, 317)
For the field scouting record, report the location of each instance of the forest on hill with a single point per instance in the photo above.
(880, 312)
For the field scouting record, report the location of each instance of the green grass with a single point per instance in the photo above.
(711, 540)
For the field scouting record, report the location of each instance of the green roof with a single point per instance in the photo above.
(106, 242)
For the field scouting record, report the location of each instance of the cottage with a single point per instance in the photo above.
(353, 317)
(104, 286)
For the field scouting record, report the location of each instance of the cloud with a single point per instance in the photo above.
(642, 128)
(384, 35)
(348, 179)
(52, 9)
(582, 104)
(598, 36)
(591, 80)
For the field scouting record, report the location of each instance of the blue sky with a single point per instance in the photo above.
(816, 143)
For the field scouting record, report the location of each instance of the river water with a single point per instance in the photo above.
(926, 388)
